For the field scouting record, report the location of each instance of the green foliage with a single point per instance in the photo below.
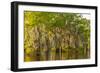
(55, 36)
